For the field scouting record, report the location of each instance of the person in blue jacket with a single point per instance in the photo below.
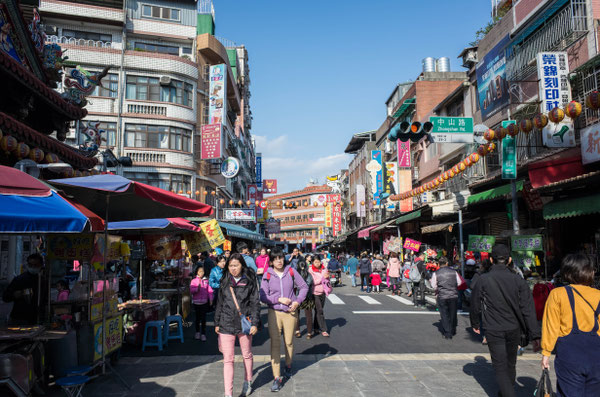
(353, 267)
(214, 280)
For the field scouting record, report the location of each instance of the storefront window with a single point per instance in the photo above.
(150, 89)
(158, 137)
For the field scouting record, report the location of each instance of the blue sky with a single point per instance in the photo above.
(321, 70)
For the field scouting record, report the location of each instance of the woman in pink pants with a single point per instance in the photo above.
(238, 293)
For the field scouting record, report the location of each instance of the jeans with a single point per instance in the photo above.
(503, 347)
(320, 324)
(281, 323)
(353, 277)
(394, 281)
(227, 347)
(447, 309)
(309, 321)
(418, 289)
(408, 285)
(364, 282)
(201, 311)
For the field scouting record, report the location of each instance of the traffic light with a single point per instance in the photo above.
(415, 131)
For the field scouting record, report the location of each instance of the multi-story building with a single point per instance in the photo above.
(302, 224)
(359, 180)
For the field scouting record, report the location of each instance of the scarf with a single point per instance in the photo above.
(316, 269)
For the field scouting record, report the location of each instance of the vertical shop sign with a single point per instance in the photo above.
(509, 154)
(213, 233)
(259, 169)
(270, 186)
(211, 143)
(328, 216)
(390, 179)
(405, 184)
(375, 168)
(217, 107)
(361, 211)
(590, 144)
(337, 219)
(403, 154)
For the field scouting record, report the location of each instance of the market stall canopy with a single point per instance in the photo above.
(492, 194)
(241, 232)
(573, 207)
(408, 217)
(437, 228)
(126, 200)
(364, 233)
(29, 206)
(161, 225)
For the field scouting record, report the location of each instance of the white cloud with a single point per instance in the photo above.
(267, 145)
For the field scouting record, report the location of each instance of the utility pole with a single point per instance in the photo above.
(513, 195)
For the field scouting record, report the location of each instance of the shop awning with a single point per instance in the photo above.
(385, 225)
(436, 228)
(494, 193)
(408, 217)
(543, 173)
(404, 107)
(240, 232)
(573, 207)
(160, 225)
(366, 231)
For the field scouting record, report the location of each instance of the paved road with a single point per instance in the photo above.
(359, 323)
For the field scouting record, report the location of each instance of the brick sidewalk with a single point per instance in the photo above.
(347, 375)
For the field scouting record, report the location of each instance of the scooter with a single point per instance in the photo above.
(335, 278)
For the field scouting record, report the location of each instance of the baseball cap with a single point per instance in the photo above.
(500, 252)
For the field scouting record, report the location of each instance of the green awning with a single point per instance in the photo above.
(573, 207)
(408, 217)
(404, 107)
(493, 193)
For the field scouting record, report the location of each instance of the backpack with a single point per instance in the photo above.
(414, 274)
(291, 274)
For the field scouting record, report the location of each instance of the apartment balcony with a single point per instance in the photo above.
(160, 110)
(81, 42)
(81, 12)
(160, 157)
(554, 34)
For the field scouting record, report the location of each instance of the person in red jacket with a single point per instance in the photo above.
(375, 281)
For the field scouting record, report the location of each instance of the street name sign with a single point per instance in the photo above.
(452, 129)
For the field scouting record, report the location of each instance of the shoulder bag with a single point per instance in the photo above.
(245, 320)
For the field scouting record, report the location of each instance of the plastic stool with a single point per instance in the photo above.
(79, 370)
(72, 385)
(178, 334)
(157, 341)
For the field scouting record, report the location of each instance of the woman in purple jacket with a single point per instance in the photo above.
(283, 290)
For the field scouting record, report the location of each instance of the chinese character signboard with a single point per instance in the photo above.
(239, 214)
(527, 243)
(258, 169)
(390, 181)
(196, 243)
(270, 186)
(403, 154)
(67, 247)
(412, 245)
(553, 75)
(336, 219)
(375, 168)
(334, 198)
(112, 336)
(452, 129)
(481, 243)
(590, 144)
(328, 216)
(509, 154)
(217, 107)
(211, 142)
(492, 87)
(213, 233)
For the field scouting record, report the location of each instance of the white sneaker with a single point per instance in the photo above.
(197, 336)
(246, 389)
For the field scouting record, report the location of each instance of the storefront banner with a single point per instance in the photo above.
(375, 168)
(509, 154)
(403, 154)
(196, 243)
(405, 184)
(390, 181)
(337, 219)
(412, 245)
(258, 167)
(211, 143)
(553, 77)
(559, 135)
(492, 87)
(523, 258)
(96, 310)
(70, 247)
(334, 198)
(270, 186)
(213, 233)
(238, 214)
(113, 336)
(328, 214)
(481, 243)
(163, 247)
(361, 211)
(527, 243)
(217, 107)
(590, 144)
(227, 245)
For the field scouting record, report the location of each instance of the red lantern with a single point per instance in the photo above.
(482, 150)
(512, 129)
(462, 166)
(502, 132)
(22, 150)
(489, 135)
(556, 115)
(51, 158)
(445, 176)
(491, 147)
(474, 157)
(573, 109)
(468, 162)
(8, 143)
(451, 174)
(526, 126)
(592, 101)
(456, 170)
(540, 121)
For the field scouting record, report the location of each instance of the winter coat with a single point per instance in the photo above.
(394, 267)
(365, 266)
(215, 278)
(201, 291)
(334, 265)
(318, 278)
(377, 265)
(226, 314)
(250, 262)
(262, 262)
(445, 281)
(375, 279)
(274, 287)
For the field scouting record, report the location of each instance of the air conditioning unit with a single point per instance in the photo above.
(165, 80)
(388, 147)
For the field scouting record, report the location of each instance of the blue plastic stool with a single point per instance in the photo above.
(72, 385)
(178, 334)
(79, 370)
(157, 341)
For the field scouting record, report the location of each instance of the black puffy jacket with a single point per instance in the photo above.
(226, 314)
(365, 266)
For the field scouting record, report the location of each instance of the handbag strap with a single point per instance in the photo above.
(237, 306)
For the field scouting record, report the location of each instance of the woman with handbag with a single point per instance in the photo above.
(277, 290)
(308, 304)
(321, 288)
(571, 328)
(237, 315)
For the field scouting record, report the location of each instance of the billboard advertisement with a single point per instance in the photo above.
(270, 186)
(258, 169)
(492, 87)
(239, 214)
(211, 143)
(375, 168)
(217, 106)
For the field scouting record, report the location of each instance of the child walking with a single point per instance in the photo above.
(375, 281)
(202, 298)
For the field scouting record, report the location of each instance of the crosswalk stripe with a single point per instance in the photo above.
(431, 300)
(369, 300)
(335, 300)
(402, 300)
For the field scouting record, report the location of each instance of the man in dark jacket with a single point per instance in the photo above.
(28, 292)
(506, 303)
(445, 282)
(364, 266)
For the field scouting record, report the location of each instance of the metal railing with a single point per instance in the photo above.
(147, 157)
(226, 42)
(79, 42)
(556, 34)
(146, 109)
